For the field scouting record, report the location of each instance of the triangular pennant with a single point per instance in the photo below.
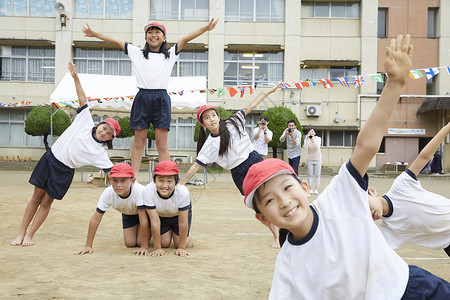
(377, 78)
(232, 91)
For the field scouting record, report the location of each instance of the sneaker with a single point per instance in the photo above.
(311, 192)
(316, 192)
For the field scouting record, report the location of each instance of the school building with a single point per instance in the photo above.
(256, 42)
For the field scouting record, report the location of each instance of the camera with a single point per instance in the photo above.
(310, 136)
(262, 123)
(289, 130)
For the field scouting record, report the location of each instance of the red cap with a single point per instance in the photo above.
(201, 110)
(122, 170)
(260, 173)
(155, 24)
(114, 124)
(166, 167)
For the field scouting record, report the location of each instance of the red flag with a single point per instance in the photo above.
(326, 83)
(232, 91)
(251, 89)
(298, 84)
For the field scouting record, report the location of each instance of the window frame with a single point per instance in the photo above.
(348, 73)
(432, 24)
(125, 10)
(309, 9)
(121, 58)
(48, 10)
(196, 60)
(164, 15)
(26, 140)
(272, 17)
(382, 31)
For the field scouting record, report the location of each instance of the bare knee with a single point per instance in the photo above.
(46, 202)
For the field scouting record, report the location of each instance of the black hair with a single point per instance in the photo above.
(264, 118)
(292, 121)
(224, 133)
(163, 48)
(176, 177)
(108, 143)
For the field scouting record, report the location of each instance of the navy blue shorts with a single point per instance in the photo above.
(171, 223)
(151, 106)
(238, 173)
(52, 175)
(424, 285)
(129, 221)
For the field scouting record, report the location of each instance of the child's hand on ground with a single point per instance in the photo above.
(398, 59)
(84, 251)
(211, 25)
(181, 252)
(88, 31)
(141, 251)
(157, 252)
(72, 69)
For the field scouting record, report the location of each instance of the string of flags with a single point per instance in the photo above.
(356, 81)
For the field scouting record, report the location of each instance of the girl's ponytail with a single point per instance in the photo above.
(201, 139)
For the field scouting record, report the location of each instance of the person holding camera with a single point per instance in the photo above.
(294, 144)
(313, 160)
(262, 136)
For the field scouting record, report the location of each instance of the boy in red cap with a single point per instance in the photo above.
(334, 250)
(82, 144)
(153, 66)
(168, 205)
(122, 195)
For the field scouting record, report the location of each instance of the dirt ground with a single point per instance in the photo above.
(230, 253)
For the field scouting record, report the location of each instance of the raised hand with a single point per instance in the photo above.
(72, 69)
(212, 24)
(398, 59)
(88, 31)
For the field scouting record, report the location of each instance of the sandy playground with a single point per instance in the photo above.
(230, 253)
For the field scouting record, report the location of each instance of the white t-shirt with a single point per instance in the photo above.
(260, 144)
(238, 151)
(166, 207)
(345, 255)
(127, 206)
(154, 72)
(76, 147)
(417, 216)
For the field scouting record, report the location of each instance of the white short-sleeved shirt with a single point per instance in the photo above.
(416, 216)
(238, 151)
(260, 144)
(166, 207)
(344, 256)
(127, 205)
(76, 147)
(154, 72)
(293, 150)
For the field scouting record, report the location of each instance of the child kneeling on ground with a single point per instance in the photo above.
(122, 195)
(168, 205)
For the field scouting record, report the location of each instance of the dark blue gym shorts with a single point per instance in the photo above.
(151, 106)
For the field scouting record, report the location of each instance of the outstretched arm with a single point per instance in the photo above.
(427, 152)
(187, 38)
(80, 92)
(105, 37)
(397, 65)
(254, 103)
(93, 226)
(192, 170)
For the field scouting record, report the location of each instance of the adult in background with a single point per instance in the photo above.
(294, 144)
(262, 136)
(313, 160)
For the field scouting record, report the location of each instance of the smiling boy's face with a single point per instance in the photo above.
(165, 184)
(284, 202)
(122, 185)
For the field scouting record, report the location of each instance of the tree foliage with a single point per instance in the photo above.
(126, 131)
(38, 123)
(278, 118)
(223, 114)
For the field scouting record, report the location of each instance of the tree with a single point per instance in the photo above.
(278, 118)
(38, 123)
(223, 114)
(126, 131)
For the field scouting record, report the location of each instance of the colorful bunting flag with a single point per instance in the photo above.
(311, 83)
(232, 91)
(343, 81)
(305, 83)
(221, 93)
(448, 70)
(358, 80)
(377, 78)
(326, 83)
(251, 89)
(212, 91)
(298, 84)
(431, 72)
(242, 89)
(415, 74)
(181, 93)
(285, 85)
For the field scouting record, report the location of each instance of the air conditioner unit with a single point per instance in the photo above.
(313, 110)
(180, 159)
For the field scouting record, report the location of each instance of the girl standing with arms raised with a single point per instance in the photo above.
(228, 145)
(153, 66)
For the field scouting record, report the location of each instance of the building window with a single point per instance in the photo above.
(104, 9)
(106, 61)
(254, 10)
(27, 63)
(181, 134)
(432, 22)
(252, 68)
(336, 138)
(330, 72)
(382, 22)
(431, 86)
(12, 127)
(380, 85)
(322, 9)
(191, 63)
(28, 8)
(179, 10)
